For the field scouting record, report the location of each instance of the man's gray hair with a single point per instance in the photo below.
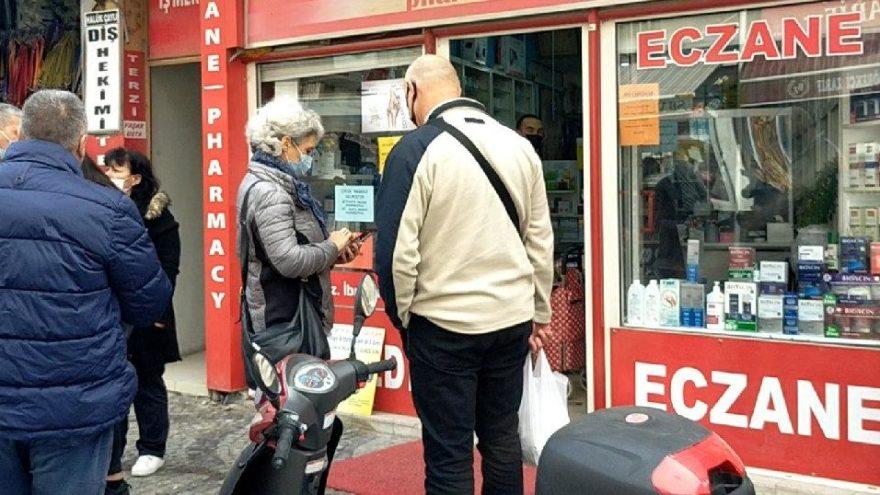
(7, 112)
(283, 116)
(54, 116)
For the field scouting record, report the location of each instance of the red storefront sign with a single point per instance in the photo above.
(393, 388)
(134, 112)
(174, 28)
(800, 408)
(224, 112)
(98, 146)
(344, 285)
(393, 392)
(272, 21)
(837, 34)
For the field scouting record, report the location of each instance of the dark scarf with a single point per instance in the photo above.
(303, 190)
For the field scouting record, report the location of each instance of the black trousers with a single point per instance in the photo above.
(466, 384)
(151, 412)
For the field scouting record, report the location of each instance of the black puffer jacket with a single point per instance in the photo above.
(151, 347)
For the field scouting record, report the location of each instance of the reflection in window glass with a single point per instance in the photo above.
(743, 136)
(349, 154)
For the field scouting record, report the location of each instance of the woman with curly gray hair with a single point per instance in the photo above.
(290, 249)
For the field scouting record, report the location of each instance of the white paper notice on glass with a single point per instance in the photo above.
(383, 106)
(354, 204)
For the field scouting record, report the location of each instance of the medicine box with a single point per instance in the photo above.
(770, 310)
(740, 305)
(811, 316)
(742, 257)
(774, 271)
(811, 253)
(670, 303)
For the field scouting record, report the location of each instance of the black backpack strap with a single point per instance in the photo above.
(491, 174)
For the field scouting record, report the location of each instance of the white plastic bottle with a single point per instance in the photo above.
(652, 304)
(715, 308)
(635, 298)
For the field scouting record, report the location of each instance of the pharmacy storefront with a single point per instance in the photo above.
(741, 194)
(346, 60)
(717, 159)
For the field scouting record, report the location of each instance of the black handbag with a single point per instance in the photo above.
(303, 334)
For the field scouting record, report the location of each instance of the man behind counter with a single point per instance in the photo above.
(531, 127)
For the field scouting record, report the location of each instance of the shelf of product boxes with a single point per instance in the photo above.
(834, 298)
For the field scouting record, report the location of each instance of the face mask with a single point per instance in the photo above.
(120, 184)
(537, 142)
(304, 165)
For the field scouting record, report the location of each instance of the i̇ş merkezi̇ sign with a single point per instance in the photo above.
(832, 35)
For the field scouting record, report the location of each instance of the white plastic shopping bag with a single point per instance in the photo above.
(544, 407)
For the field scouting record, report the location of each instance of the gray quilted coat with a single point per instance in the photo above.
(277, 215)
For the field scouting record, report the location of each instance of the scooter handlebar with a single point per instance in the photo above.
(382, 366)
(282, 446)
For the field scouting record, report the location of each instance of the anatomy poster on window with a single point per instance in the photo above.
(383, 106)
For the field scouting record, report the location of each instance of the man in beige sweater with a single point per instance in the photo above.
(465, 261)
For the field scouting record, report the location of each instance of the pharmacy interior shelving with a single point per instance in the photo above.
(848, 195)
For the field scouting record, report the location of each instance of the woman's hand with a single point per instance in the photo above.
(341, 239)
(351, 252)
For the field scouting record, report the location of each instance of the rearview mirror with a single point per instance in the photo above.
(267, 377)
(367, 297)
(364, 305)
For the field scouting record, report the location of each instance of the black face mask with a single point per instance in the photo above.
(537, 142)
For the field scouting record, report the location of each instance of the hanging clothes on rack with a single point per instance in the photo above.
(58, 69)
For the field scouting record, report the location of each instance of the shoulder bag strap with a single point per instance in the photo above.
(310, 285)
(244, 247)
(491, 174)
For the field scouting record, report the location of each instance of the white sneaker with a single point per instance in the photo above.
(147, 465)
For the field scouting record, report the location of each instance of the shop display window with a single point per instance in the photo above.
(749, 144)
(362, 103)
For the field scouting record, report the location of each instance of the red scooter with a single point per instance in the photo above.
(296, 407)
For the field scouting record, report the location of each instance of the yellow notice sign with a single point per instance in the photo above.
(639, 114)
(369, 347)
(386, 144)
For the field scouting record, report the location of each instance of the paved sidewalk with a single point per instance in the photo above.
(206, 438)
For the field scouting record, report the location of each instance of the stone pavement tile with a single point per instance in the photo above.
(207, 437)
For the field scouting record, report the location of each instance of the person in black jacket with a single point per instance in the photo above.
(149, 348)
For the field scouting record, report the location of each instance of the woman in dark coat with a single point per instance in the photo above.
(149, 348)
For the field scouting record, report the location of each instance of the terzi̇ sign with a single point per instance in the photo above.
(103, 73)
(837, 34)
